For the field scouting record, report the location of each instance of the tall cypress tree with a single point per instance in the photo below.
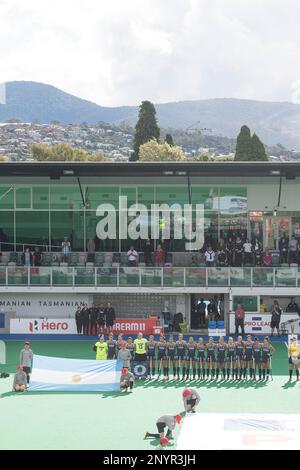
(169, 140)
(243, 144)
(146, 128)
(258, 151)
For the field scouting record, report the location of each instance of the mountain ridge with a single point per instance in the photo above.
(274, 122)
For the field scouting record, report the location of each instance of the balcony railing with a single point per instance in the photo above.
(149, 277)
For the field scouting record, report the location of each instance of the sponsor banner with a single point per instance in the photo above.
(43, 326)
(260, 323)
(37, 305)
(67, 326)
(78, 375)
(134, 325)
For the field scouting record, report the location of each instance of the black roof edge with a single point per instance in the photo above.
(70, 169)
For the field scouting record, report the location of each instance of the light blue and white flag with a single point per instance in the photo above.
(78, 375)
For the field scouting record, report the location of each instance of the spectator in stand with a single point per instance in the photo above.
(267, 259)
(27, 258)
(283, 249)
(239, 319)
(37, 257)
(159, 256)
(262, 306)
(91, 246)
(257, 252)
(238, 252)
(230, 248)
(65, 249)
(201, 311)
(132, 257)
(209, 256)
(221, 258)
(293, 250)
(276, 312)
(124, 355)
(247, 250)
(148, 252)
(212, 310)
(165, 244)
(194, 262)
(110, 317)
(20, 380)
(293, 306)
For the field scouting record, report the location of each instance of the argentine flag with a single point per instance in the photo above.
(79, 375)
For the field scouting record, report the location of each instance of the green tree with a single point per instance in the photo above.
(243, 145)
(146, 128)
(169, 140)
(152, 151)
(64, 153)
(258, 151)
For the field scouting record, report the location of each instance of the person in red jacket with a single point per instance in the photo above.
(159, 256)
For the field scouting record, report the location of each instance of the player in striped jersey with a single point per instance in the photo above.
(151, 348)
(248, 357)
(171, 356)
(210, 358)
(201, 348)
(239, 350)
(191, 348)
(257, 358)
(221, 351)
(162, 356)
(180, 352)
(111, 345)
(231, 357)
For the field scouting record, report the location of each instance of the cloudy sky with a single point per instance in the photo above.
(117, 52)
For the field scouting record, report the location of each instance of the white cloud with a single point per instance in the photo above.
(120, 52)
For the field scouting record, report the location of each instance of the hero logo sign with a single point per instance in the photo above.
(45, 325)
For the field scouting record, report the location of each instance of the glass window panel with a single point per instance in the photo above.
(130, 193)
(217, 276)
(172, 194)
(233, 225)
(96, 195)
(249, 303)
(211, 228)
(285, 277)
(206, 196)
(263, 277)
(240, 277)
(32, 227)
(7, 230)
(65, 197)
(146, 195)
(6, 197)
(40, 197)
(195, 276)
(233, 200)
(23, 198)
(91, 221)
(67, 224)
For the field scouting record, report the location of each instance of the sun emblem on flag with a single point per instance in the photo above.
(76, 378)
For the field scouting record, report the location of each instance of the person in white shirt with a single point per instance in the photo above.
(247, 248)
(210, 256)
(132, 257)
(65, 249)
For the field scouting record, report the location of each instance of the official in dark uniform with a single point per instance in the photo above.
(78, 320)
(85, 319)
(110, 317)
